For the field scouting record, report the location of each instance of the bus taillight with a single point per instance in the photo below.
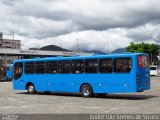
(140, 61)
(143, 61)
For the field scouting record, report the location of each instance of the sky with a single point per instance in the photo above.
(103, 25)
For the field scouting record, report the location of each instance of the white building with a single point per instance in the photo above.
(9, 44)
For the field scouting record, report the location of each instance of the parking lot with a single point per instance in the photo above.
(20, 102)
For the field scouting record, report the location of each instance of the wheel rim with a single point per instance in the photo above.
(86, 91)
(30, 89)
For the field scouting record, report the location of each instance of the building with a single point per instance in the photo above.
(9, 44)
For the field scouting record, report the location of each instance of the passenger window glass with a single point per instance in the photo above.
(77, 66)
(64, 66)
(105, 66)
(40, 67)
(122, 65)
(18, 70)
(51, 67)
(29, 68)
(91, 66)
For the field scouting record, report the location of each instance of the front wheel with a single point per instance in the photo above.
(86, 90)
(31, 89)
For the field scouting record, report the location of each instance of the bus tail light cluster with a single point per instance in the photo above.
(143, 61)
(140, 61)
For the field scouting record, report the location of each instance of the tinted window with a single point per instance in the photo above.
(77, 66)
(122, 65)
(18, 70)
(39, 67)
(29, 68)
(51, 67)
(153, 68)
(105, 65)
(64, 66)
(91, 66)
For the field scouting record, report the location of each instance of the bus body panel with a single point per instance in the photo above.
(144, 77)
(72, 83)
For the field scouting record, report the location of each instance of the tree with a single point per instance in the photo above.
(150, 49)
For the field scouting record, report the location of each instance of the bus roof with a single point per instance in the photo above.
(81, 57)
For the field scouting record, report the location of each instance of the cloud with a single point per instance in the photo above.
(148, 32)
(96, 23)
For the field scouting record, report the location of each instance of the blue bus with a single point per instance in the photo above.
(6, 73)
(9, 73)
(88, 75)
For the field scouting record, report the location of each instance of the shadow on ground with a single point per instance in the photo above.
(107, 96)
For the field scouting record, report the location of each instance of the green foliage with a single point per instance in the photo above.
(143, 48)
(151, 49)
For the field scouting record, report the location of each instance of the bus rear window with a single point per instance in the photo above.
(143, 61)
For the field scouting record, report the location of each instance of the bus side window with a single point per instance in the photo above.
(51, 67)
(122, 65)
(91, 66)
(40, 67)
(77, 66)
(64, 66)
(29, 68)
(105, 65)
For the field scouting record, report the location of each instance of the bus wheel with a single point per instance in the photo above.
(86, 90)
(31, 89)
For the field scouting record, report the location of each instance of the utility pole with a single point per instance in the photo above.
(13, 35)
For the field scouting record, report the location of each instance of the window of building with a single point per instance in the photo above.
(77, 66)
(64, 66)
(40, 67)
(91, 66)
(51, 67)
(105, 65)
(29, 68)
(122, 65)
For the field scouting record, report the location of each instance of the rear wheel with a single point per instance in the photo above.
(86, 90)
(31, 89)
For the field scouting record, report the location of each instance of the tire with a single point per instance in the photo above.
(86, 90)
(31, 89)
